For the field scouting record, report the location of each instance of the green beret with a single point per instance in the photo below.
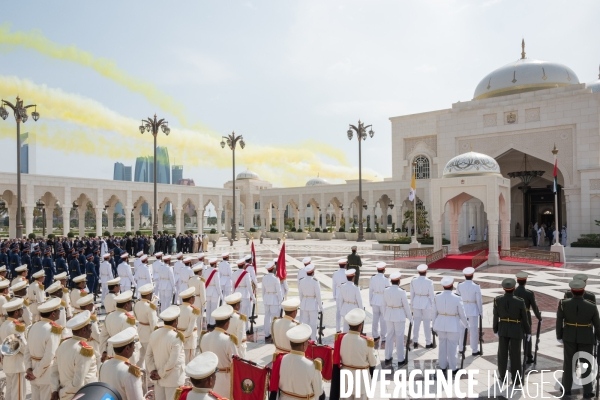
(508, 283)
(577, 284)
(580, 277)
(522, 275)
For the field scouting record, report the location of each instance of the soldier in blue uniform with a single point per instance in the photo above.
(49, 269)
(36, 262)
(90, 272)
(3, 256)
(15, 259)
(81, 257)
(74, 268)
(117, 251)
(25, 257)
(97, 266)
(61, 264)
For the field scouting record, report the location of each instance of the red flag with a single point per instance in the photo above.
(323, 354)
(253, 257)
(276, 368)
(281, 271)
(249, 379)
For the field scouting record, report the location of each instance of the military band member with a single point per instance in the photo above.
(114, 289)
(338, 279)
(14, 366)
(143, 275)
(55, 292)
(243, 284)
(66, 296)
(198, 283)
(118, 372)
(166, 283)
(586, 294)
(105, 275)
(164, 358)
(86, 303)
(272, 297)
(147, 317)
(225, 275)
(283, 282)
(124, 271)
(4, 297)
(421, 301)
(19, 290)
(202, 371)
(3, 273)
(200, 262)
(282, 325)
(187, 322)
(177, 266)
(35, 294)
(75, 364)
(213, 290)
(118, 321)
(78, 291)
(237, 323)
(470, 293)
(349, 296)
(510, 324)
(309, 290)
(396, 311)
(43, 340)
(355, 262)
(21, 275)
(155, 269)
(224, 345)
(299, 377)
(357, 352)
(529, 297)
(377, 285)
(185, 274)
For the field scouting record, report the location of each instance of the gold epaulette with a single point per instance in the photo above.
(83, 292)
(134, 370)
(56, 328)
(65, 290)
(156, 327)
(41, 285)
(275, 356)
(19, 327)
(243, 317)
(179, 391)
(335, 337)
(130, 319)
(7, 297)
(318, 365)
(195, 310)
(86, 349)
(26, 302)
(203, 279)
(180, 336)
(152, 306)
(234, 339)
(370, 343)
(94, 317)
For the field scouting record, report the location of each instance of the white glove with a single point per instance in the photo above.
(496, 334)
(560, 341)
(528, 338)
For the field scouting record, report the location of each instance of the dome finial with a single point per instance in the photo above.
(523, 49)
(598, 71)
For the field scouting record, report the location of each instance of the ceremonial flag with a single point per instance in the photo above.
(253, 256)
(250, 380)
(325, 355)
(413, 187)
(555, 176)
(281, 271)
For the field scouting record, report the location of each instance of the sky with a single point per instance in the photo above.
(288, 76)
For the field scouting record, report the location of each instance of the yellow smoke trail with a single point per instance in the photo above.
(92, 128)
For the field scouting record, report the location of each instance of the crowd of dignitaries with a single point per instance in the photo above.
(155, 313)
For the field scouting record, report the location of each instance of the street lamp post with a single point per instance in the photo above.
(153, 125)
(42, 209)
(231, 141)
(361, 133)
(20, 112)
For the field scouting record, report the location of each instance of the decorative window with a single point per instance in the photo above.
(422, 168)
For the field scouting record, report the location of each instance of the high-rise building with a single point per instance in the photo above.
(25, 159)
(121, 172)
(144, 171)
(176, 174)
(27, 154)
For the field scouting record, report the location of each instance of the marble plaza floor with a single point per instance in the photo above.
(548, 283)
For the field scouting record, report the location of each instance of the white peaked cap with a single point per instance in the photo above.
(270, 265)
(85, 300)
(139, 254)
(115, 281)
(179, 255)
(299, 334)
(422, 267)
(212, 261)
(233, 298)
(159, 254)
(468, 271)
(395, 276)
(225, 255)
(309, 268)
(355, 317)
(13, 305)
(124, 297)
(343, 261)
(306, 260)
(202, 366)
(171, 313)
(187, 293)
(381, 265)
(50, 305)
(350, 272)
(146, 289)
(61, 276)
(79, 320)
(144, 257)
(447, 281)
(222, 313)
(290, 304)
(54, 287)
(124, 337)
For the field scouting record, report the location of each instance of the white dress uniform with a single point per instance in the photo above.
(75, 295)
(165, 355)
(166, 286)
(109, 302)
(176, 268)
(185, 274)
(338, 279)
(470, 293)
(116, 322)
(156, 267)
(118, 373)
(237, 327)
(377, 285)
(105, 276)
(103, 248)
(421, 297)
(357, 353)
(448, 313)
(187, 324)
(280, 328)
(245, 288)
(14, 366)
(197, 282)
(143, 276)
(348, 299)
(224, 346)
(35, 296)
(309, 290)
(127, 280)
(396, 312)
(225, 272)
(146, 316)
(272, 298)
(201, 367)
(214, 292)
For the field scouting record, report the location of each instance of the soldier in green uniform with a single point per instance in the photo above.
(529, 297)
(574, 320)
(355, 262)
(586, 295)
(510, 325)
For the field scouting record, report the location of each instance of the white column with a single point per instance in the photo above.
(296, 218)
(454, 235)
(302, 212)
(49, 221)
(99, 221)
(505, 228)
(478, 225)
(372, 223)
(280, 224)
(437, 235)
(160, 219)
(66, 220)
(178, 218)
(127, 211)
(493, 256)
(28, 219)
(81, 219)
(219, 225)
(338, 217)
(110, 211)
(472, 221)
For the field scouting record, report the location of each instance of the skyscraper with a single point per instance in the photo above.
(25, 159)
(177, 174)
(144, 171)
(121, 172)
(27, 154)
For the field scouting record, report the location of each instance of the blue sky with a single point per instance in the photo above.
(279, 72)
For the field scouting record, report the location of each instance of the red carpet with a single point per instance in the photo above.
(532, 262)
(455, 261)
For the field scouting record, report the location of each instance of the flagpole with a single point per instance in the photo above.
(415, 203)
(555, 152)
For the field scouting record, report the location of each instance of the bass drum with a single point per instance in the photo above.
(97, 391)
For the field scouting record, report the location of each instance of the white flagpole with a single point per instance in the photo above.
(555, 152)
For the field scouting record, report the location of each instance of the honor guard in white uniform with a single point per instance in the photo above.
(448, 313)
(189, 313)
(21, 272)
(225, 273)
(280, 326)
(223, 345)
(19, 290)
(202, 371)
(250, 268)
(78, 291)
(43, 340)
(4, 297)
(421, 298)
(302, 274)
(62, 279)
(118, 321)
(237, 323)
(106, 275)
(185, 274)
(143, 275)
(338, 279)
(176, 269)
(470, 293)
(348, 297)
(75, 361)
(118, 372)
(147, 317)
(166, 283)
(124, 271)
(198, 283)
(55, 292)
(164, 358)
(309, 290)
(213, 290)
(36, 294)
(86, 303)
(200, 262)
(396, 311)
(14, 366)
(357, 352)
(272, 297)
(114, 289)
(377, 285)
(300, 377)
(154, 270)
(242, 283)
(136, 263)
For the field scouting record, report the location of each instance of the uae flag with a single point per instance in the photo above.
(555, 176)
(281, 270)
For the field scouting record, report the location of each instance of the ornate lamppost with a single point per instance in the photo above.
(20, 112)
(232, 141)
(361, 133)
(153, 125)
(42, 209)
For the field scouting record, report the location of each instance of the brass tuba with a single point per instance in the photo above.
(11, 345)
